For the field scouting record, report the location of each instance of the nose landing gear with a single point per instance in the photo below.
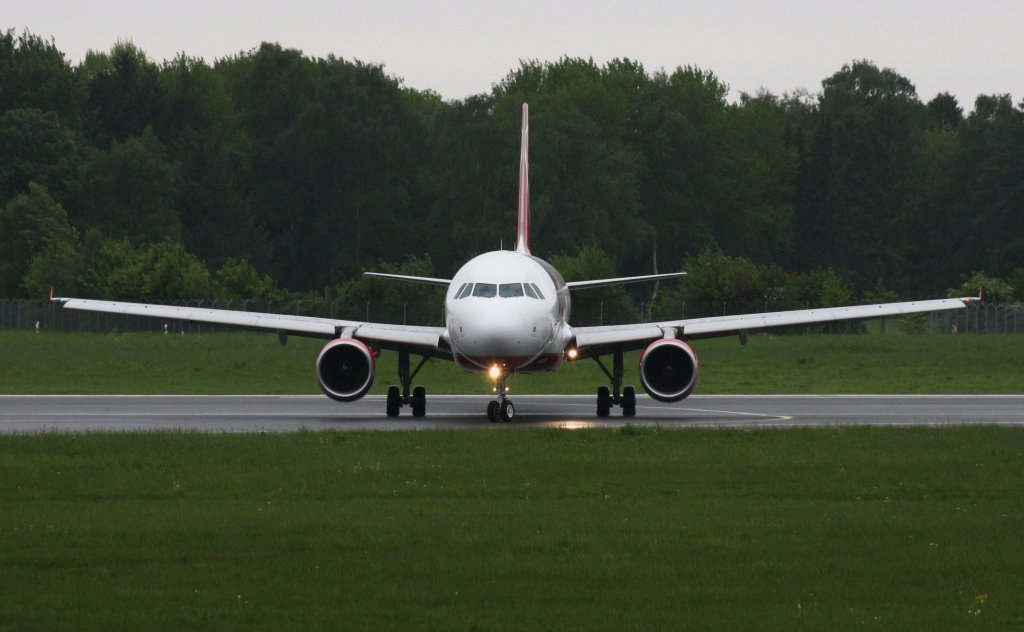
(501, 408)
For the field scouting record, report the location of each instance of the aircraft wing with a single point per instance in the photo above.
(638, 335)
(424, 338)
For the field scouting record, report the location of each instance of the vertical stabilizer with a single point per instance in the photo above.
(523, 223)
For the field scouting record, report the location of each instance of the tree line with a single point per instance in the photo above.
(273, 173)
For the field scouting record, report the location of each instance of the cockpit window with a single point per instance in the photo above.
(504, 290)
(485, 290)
(510, 290)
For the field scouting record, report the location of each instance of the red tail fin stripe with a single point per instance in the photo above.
(523, 221)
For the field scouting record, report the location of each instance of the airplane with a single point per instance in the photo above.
(507, 312)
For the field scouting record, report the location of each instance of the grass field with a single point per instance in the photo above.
(255, 363)
(631, 529)
(546, 529)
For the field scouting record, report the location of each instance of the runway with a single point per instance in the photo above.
(246, 413)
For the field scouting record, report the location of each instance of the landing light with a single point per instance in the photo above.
(572, 353)
(494, 372)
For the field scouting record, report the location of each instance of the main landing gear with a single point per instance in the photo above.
(617, 396)
(397, 398)
(501, 408)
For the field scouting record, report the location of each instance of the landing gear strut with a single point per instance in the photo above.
(617, 396)
(501, 408)
(397, 398)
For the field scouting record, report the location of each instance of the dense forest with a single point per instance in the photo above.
(271, 174)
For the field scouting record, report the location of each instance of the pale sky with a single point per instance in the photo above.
(462, 47)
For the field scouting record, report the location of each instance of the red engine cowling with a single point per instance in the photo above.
(345, 369)
(668, 370)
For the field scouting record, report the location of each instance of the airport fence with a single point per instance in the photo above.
(43, 315)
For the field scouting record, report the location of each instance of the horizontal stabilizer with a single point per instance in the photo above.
(582, 285)
(411, 279)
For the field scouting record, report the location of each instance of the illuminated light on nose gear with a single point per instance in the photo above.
(572, 353)
(495, 372)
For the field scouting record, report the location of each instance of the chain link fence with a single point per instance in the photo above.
(44, 315)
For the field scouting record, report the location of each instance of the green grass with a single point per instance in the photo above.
(509, 529)
(255, 363)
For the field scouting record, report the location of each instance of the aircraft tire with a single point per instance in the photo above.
(492, 411)
(394, 401)
(419, 401)
(604, 401)
(629, 402)
(508, 411)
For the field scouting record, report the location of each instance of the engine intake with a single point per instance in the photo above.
(345, 369)
(668, 370)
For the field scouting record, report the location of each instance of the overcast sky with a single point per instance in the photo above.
(461, 47)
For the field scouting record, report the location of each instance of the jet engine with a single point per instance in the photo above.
(345, 369)
(668, 370)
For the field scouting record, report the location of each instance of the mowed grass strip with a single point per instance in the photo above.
(246, 363)
(510, 529)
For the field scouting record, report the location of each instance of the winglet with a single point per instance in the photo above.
(57, 299)
(975, 299)
(523, 222)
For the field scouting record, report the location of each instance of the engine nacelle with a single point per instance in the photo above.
(345, 369)
(668, 370)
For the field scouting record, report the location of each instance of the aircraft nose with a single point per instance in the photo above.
(500, 332)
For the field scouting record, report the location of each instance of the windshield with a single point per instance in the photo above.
(485, 290)
(504, 290)
(510, 290)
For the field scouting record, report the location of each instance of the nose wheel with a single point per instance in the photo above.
(501, 408)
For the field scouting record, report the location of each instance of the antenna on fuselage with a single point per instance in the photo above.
(523, 222)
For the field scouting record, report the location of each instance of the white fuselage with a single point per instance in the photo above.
(507, 309)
